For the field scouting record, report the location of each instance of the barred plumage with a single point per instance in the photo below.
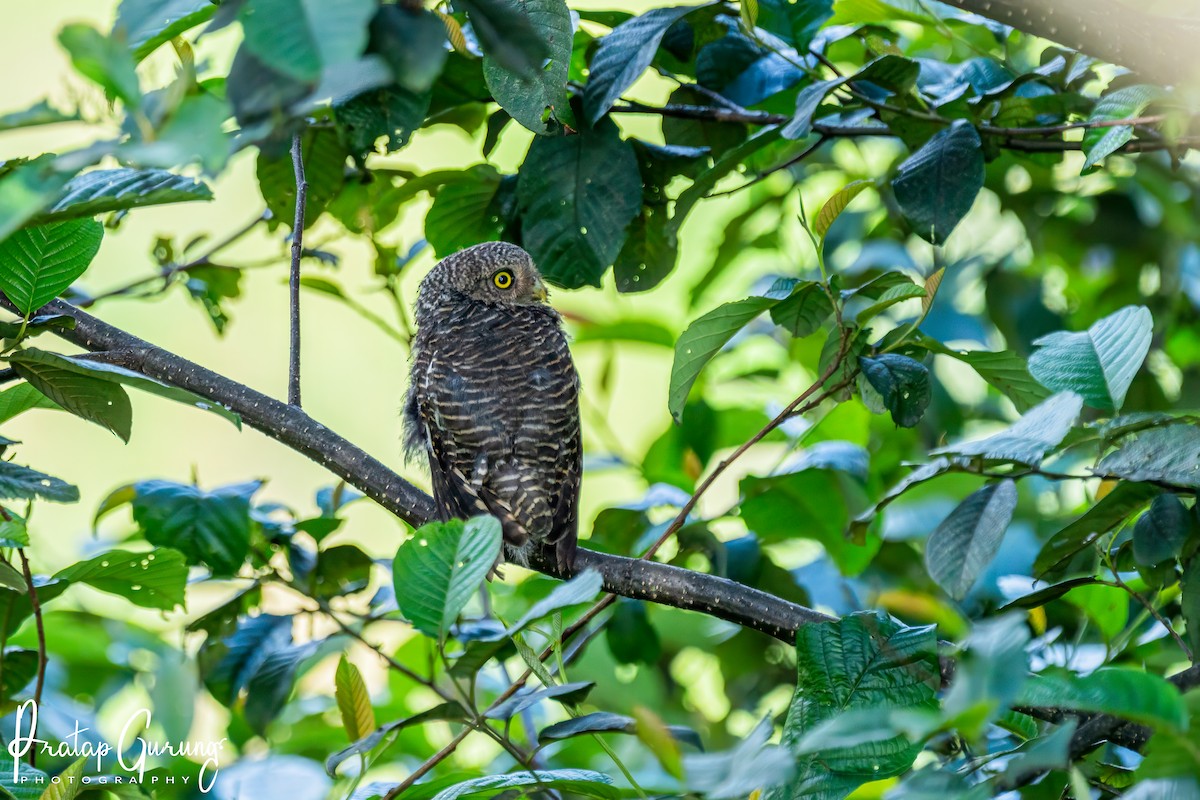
(493, 399)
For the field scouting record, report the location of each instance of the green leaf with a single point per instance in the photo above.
(796, 23)
(1127, 693)
(23, 483)
(1004, 370)
(936, 186)
(702, 340)
(211, 528)
(1116, 506)
(324, 171)
(466, 211)
(1159, 534)
(13, 532)
(353, 701)
(808, 101)
(299, 38)
(624, 54)
(583, 588)
(68, 783)
(144, 25)
(1130, 101)
(890, 297)
(243, 652)
(537, 101)
(964, 543)
(836, 204)
(437, 572)
(151, 580)
(104, 190)
(392, 111)
(989, 674)
(103, 60)
(506, 34)
(25, 190)
(577, 194)
(1167, 455)
(581, 782)
(903, 383)
(114, 374)
(22, 398)
(803, 309)
(36, 264)
(271, 684)
(569, 694)
(194, 133)
(649, 253)
(607, 722)
(443, 712)
(41, 113)
(1099, 363)
(864, 661)
(29, 781)
(1189, 600)
(631, 638)
(1027, 440)
(86, 396)
(413, 42)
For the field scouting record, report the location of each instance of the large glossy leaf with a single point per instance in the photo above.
(1099, 363)
(96, 400)
(299, 38)
(1168, 455)
(507, 35)
(23, 483)
(38, 263)
(152, 580)
(1116, 506)
(211, 528)
(936, 186)
(538, 101)
(104, 190)
(1130, 101)
(1127, 693)
(1028, 439)
(581, 782)
(624, 55)
(466, 211)
(964, 543)
(146, 24)
(114, 374)
(702, 340)
(577, 195)
(438, 571)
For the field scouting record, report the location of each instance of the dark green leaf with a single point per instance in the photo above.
(1117, 506)
(25, 190)
(103, 60)
(36, 264)
(466, 212)
(583, 588)
(803, 310)
(607, 722)
(703, 339)
(438, 571)
(649, 252)
(104, 190)
(1099, 363)
(324, 171)
(936, 186)
(537, 101)
(413, 42)
(1189, 600)
(508, 35)
(1160, 533)
(807, 102)
(794, 22)
(577, 194)
(96, 400)
(152, 580)
(299, 38)
(903, 383)
(269, 687)
(624, 54)
(570, 694)
(1127, 693)
(393, 111)
(1028, 439)
(452, 712)
(211, 528)
(964, 543)
(23, 483)
(630, 636)
(146, 24)
(244, 651)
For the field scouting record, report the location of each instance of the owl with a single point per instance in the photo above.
(493, 400)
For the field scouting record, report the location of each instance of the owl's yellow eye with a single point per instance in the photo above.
(503, 279)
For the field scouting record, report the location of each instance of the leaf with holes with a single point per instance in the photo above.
(1027, 440)
(437, 572)
(624, 54)
(300, 38)
(902, 382)
(38, 263)
(1099, 363)
(577, 195)
(151, 580)
(144, 25)
(702, 340)
(936, 186)
(964, 543)
(353, 701)
(23, 483)
(119, 375)
(537, 101)
(104, 190)
(86, 396)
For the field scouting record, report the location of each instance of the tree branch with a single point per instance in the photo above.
(294, 279)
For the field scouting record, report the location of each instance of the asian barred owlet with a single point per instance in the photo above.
(493, 399)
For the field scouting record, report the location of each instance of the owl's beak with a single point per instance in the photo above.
(539, 292)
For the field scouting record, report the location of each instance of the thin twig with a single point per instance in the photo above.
(294, 280)
(36, 605)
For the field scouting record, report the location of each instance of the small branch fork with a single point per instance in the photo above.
(294, 279)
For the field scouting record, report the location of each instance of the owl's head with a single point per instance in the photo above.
(493, 272)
